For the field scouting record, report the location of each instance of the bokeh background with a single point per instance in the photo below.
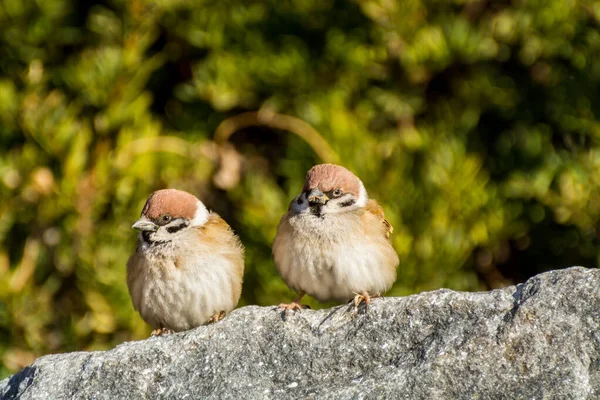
(474, 122)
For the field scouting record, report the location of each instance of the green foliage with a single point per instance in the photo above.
(474, 123)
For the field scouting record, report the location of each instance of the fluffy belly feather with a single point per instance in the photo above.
(181, 299)
(334, 270)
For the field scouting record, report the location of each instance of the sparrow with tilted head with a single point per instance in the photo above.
(188, 266)
(334, 243)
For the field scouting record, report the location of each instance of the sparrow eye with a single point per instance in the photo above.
(337, 192)
(165, 218)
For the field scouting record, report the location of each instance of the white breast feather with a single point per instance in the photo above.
(184, 296)
(332, 258)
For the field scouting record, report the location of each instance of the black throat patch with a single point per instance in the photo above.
(317, 211)
(146, 237)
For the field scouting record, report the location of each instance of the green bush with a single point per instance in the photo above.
(474, 123)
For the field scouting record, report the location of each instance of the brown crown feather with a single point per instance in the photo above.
(327, 177)
(176, 203)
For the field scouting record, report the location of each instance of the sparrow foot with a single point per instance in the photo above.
(161, 331)
(217, 317)
(294, 305)
(363, 297)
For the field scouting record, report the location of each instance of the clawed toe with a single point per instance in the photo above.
(363, 297)
(292, 306)
(216, 317)
(161, 332)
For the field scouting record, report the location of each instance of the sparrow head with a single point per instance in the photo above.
(167, 214)
(330, 189)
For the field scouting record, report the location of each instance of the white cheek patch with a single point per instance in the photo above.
(362, 196)
(201, 215)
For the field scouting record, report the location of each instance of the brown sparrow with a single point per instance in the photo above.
(333, 242)
(188, 266)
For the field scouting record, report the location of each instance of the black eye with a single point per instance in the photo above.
(337, 192)
(165, 218)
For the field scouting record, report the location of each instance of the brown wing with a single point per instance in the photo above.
(376, 210)
(217, 232)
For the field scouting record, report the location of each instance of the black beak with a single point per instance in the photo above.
(316, 197)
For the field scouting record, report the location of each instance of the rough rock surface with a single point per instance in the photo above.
(537, 340)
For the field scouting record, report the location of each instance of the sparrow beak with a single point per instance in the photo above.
(145, 225)
(315, 196)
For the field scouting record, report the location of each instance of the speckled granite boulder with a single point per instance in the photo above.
(537, 340)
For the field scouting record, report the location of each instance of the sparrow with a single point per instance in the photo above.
(334, 242)
(188, 266)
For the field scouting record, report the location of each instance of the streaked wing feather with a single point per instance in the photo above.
(374, 208)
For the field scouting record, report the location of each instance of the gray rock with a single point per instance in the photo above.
(538, 340)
